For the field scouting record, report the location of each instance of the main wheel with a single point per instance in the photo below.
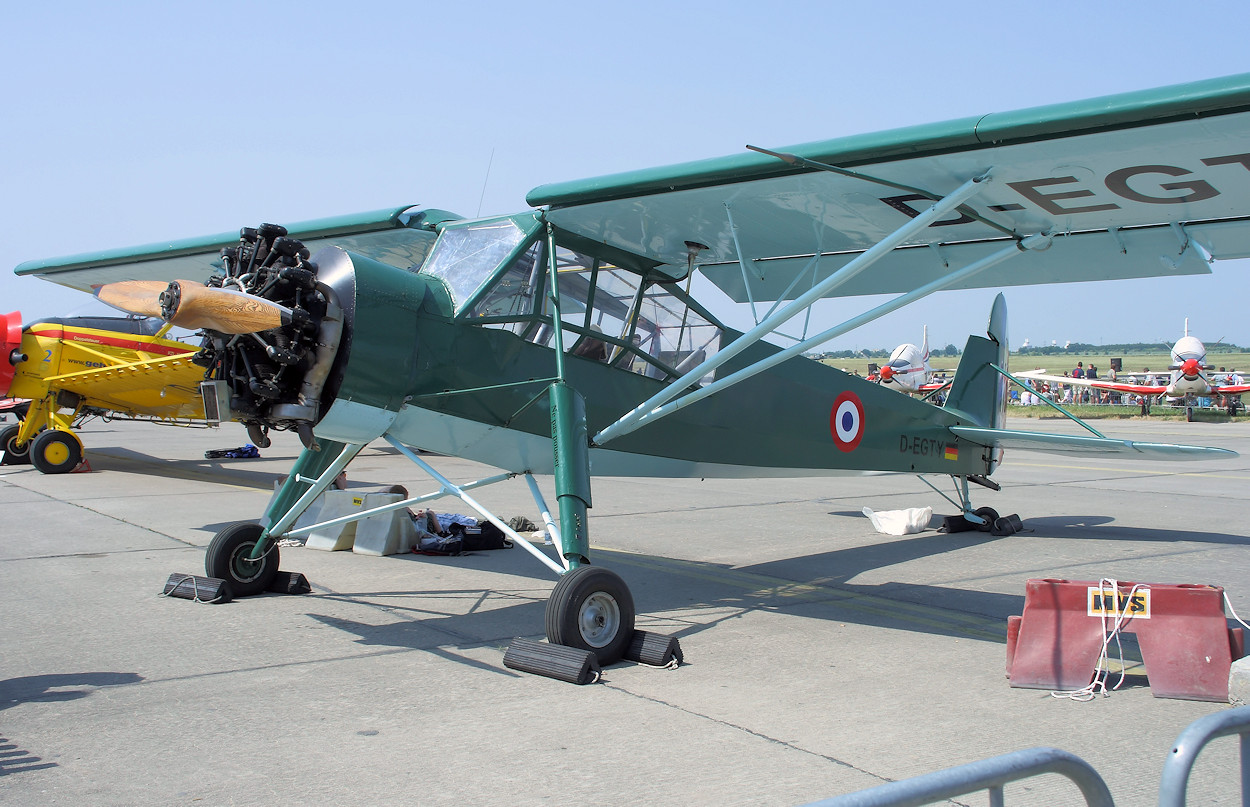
(228, 559)
(989, 514)
(13, 455)
(55, 451)
(591, 608)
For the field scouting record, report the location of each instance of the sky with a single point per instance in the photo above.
(130, 122)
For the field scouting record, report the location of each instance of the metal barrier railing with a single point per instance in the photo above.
(986, 774)
(991, 774)
(1192, 740)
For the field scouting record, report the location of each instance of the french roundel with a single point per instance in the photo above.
(846, 421)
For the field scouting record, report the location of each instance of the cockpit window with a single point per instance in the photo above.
(465, 257)
(673, 332)
(609, 314)
(511, 299)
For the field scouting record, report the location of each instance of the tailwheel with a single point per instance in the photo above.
(56, 451)
(228, 558)
(591, 608)
(12, 454)
(989, 514)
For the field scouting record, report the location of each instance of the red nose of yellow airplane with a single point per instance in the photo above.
(10, 350)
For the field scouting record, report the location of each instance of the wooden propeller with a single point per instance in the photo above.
(133, 296)
(192, 305)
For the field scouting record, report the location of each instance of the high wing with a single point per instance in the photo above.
(397, 236)
(1140, 389)
(1136, 185)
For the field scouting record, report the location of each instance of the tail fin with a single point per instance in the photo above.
(979, 391)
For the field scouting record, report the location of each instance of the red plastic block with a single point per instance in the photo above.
(1185, 641)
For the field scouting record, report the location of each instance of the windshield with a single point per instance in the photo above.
(465, 257)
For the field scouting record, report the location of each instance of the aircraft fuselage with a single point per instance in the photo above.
(442, 383)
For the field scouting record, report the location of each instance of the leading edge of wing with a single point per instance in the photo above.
(195, 258)
(1197, 99)
(1089, 446)
(1114, 386)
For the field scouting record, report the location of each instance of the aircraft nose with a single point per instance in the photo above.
(10, 350)
(1190, 368)
(887, 373)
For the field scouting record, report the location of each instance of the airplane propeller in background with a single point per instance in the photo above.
(193, 306)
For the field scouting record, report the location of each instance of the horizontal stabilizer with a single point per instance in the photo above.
(1090, 445)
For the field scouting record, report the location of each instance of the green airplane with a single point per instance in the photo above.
(564, 339)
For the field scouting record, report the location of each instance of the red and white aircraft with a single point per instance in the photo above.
(908, 370)
(1188, 379)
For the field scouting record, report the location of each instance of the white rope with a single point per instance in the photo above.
(672, 664)
(1098, 686)
(195, 590)
(1229, 603)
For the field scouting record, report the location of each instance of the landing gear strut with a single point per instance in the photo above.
(982, 519)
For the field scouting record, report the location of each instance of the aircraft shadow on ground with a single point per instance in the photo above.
(1103, 528)
(49, 688)
(685, 598)
(223, 471)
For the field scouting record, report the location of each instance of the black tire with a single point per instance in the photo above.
(591, 608)
(227, 559)
(989, 514)
(55, 451)
(1189, 414)
(12, 456)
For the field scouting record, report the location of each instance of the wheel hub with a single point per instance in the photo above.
(245, 569)
(57, 453)
(599, 619)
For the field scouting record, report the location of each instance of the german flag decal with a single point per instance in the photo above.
(952, 451)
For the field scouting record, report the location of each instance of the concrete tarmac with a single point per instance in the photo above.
(822, 657)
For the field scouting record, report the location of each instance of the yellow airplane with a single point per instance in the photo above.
(70, 368)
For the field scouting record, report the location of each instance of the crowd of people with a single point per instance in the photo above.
(1061, 393)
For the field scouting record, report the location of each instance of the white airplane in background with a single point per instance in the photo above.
(1188, 379)
(908, 370)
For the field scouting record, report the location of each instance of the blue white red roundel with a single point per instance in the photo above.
(846, 421)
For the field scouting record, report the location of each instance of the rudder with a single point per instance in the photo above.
(979, 391)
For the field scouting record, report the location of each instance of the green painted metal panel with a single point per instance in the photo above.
(317, 228)
(779, 419)
(1197, 99)
(381, 363)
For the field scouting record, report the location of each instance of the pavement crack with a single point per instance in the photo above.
(118, 519)
(744, 730)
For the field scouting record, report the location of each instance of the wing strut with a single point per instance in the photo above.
(663, 403)
(649, 409)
